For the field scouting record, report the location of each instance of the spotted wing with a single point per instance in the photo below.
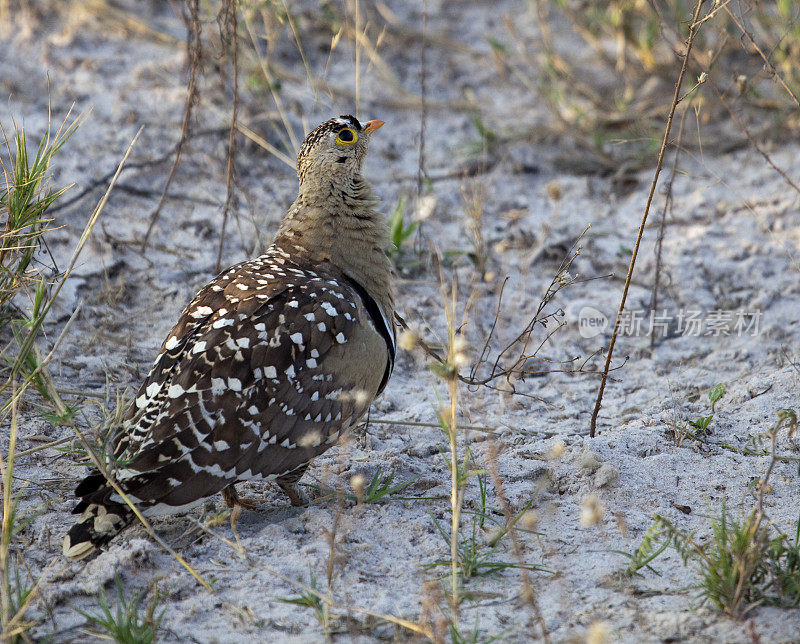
(256, 386)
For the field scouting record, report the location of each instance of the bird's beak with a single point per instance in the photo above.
(371, 126)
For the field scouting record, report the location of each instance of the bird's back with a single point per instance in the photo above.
(265, 368)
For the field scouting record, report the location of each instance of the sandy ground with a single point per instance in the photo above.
(731, 244)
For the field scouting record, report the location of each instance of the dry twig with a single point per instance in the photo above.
(662, 224)
(194, 51)
(229, 29)
(676, 98)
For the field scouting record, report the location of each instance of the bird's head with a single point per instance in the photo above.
(335, 149)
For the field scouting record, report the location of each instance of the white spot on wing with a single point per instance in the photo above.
(175, 391)
(217, 386)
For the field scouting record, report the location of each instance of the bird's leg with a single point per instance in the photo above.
(232, 499)
(287, 484)
(236, 503)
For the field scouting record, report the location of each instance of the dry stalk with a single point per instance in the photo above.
(288, 137)
(330, 567)
(528, 592)
(785, 417)
(754, 143)
(236, 547)
(766, 60)
(194, 54)
(676, 98)
(662, 224)
(229, 29)
(423, 91)
(357, 45)
(7, 472)
(450, 421)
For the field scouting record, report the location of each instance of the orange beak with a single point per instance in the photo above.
(371, 126)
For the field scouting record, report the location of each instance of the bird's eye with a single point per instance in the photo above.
(346, 136)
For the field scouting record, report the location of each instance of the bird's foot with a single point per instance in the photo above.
(236, 510)
(236, 503)
(232, 499)
(296, 498)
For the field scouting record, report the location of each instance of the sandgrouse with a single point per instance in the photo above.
(271, 360)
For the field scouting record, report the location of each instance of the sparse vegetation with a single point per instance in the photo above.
(702, 423)
(379, 489)
(580, 87)
(25, 198)
(746, 562)
(613, 100)
(307, 599)
(126, 622)
(481, 548)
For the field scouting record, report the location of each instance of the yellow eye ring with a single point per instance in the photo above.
(350, 136)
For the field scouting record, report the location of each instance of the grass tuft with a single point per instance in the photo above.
(310, 600)
(126, 622)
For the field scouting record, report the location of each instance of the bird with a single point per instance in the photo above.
(270, 362)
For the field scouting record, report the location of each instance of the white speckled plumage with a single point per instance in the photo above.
(271, 360)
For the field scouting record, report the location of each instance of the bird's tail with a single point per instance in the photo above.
(99, 522)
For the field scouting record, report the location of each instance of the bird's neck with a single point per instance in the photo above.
(336, 222)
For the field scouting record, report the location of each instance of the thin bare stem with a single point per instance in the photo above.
(529, 594)
(662, 224)
(456, 492)
(754, 143)
(357, 27)
(664, 142)
(193, 50)
(766, 60)
(230, 25)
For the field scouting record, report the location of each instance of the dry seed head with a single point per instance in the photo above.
(741, 83)
(529, 520)
(408, 339)
(426, 207)
(554, 191)
(591, 511)
(564, 278)
(557, 450)
(598, 633)
(494, 536)
(358, 482)
(589, 461)
(460, 348)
